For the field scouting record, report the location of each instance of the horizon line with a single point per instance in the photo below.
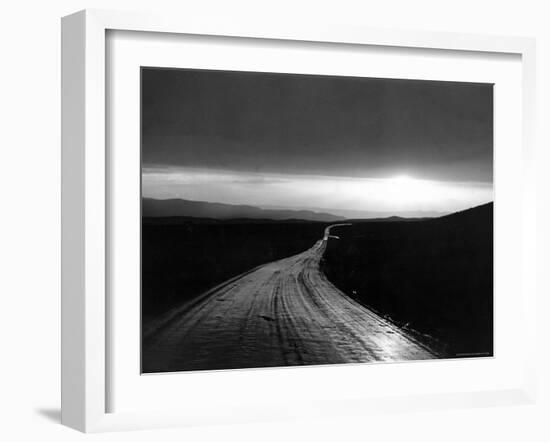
(316, 210)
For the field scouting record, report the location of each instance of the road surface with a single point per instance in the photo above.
(282, 313)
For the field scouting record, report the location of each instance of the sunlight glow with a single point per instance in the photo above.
(403, 190)
(397, 194)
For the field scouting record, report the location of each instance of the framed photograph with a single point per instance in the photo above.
(263, 221)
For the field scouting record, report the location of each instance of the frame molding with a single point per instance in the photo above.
(84, 203)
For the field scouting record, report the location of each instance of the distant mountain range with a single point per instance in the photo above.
(201, 209)
(366, 214)
(153, 208)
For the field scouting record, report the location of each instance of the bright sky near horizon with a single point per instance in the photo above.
(400, 193)
(310, 141)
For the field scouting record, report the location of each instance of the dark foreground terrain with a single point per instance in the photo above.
(434, 276)
(220, 294)
(282, 313)
(183, 257)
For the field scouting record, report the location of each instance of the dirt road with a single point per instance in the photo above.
(282, 313)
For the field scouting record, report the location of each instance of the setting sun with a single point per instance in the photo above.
(394, 194)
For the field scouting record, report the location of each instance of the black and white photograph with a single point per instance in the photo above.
(301, 220)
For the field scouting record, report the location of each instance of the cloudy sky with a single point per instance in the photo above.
(307, 141)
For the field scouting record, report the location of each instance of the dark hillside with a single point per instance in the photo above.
(183, 257)
(434, 276)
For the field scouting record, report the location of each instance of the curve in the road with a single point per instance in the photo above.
(282, 313)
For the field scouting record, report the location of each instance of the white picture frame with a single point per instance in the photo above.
(85, 206)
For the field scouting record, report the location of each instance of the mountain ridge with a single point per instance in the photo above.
(183, 208)
(202, 209)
